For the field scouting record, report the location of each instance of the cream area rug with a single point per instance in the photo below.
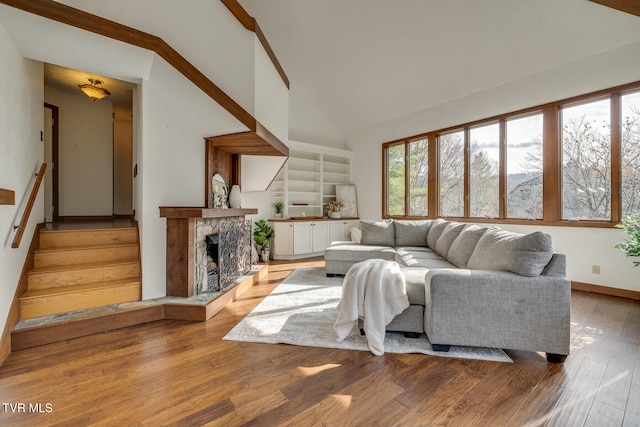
(302, 310)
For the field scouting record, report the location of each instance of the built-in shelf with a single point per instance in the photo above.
(310, 176)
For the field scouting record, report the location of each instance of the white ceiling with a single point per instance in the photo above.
(366, 62)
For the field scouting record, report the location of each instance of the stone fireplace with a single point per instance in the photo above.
(189, 265)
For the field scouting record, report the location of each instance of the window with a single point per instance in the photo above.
(395, 179)
(484, 159)
(586, 161)
(418, 177)
(524, 167)
(576, 159)
(630, 139)
(451, 160)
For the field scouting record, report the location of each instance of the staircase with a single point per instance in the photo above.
(75, 269)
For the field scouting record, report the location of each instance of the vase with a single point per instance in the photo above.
(235, 197)
(334, 215)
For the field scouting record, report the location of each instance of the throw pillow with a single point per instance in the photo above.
(449, 234)
(355, 233)
(437, 227)
(462, 248)
(379, 233)
(411, 233)
(523, 254)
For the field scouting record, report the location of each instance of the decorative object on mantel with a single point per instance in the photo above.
(219, 191)
(631, 246)
(235, 197)
(347, 195)
(262, 235)
(278, 207)
(333, 208)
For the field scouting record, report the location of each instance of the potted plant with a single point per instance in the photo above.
(262, 235)
(631, 246)
(334, 207)
(278, 207)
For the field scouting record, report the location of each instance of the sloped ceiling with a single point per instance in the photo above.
(365, 62)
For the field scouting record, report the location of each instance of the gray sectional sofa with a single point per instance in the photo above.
(470, 284)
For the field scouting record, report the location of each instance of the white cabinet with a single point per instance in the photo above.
(283, 242)
(339, 229)
(299, 239)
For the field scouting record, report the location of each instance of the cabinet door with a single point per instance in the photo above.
(320, 232)
(337, 231)
(283, 242)
(302, 238)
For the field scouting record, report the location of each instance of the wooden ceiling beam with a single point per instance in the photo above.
(628, 6)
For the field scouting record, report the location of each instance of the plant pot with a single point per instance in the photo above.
(265, 255)
(334, 215)
(278, 215)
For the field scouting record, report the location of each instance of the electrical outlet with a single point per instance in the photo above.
(595, 269)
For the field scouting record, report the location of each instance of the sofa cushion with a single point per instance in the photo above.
(411, 233)
(414, 280)
(355, 233)
(436, 229)
(462, 248)
(377, 233)
(354, 252)
(449, 234)
(523, 254)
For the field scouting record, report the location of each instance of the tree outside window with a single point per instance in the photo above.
(630, 154)
(484, 155)
(586, 161)
(395, 180)
(451, 160)
(524, 167)
(418, 177)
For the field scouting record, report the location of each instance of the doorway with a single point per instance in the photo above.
(50, 139)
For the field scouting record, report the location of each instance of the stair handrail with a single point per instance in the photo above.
(27, 212)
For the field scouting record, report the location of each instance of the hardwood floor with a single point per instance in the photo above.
(181, 373)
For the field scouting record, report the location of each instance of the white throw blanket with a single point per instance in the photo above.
(373, 290)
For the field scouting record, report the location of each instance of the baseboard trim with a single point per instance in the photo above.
(605, 290)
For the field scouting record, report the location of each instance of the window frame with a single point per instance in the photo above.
(551, 167)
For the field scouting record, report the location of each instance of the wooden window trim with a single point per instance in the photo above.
(552, 160)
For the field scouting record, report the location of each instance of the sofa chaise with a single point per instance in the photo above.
(469, 284)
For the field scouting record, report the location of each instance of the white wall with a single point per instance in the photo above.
(309, 123)
(583, 246)
(85, 154)
(170, 154)
(21, 154)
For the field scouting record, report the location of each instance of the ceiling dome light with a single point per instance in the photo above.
(93, 91)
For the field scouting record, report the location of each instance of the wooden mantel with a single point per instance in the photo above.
(181, 245)
(198, 212)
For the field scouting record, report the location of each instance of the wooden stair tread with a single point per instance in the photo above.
(37, 293)
(86, 247)
(46, 270)
(87, 230)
